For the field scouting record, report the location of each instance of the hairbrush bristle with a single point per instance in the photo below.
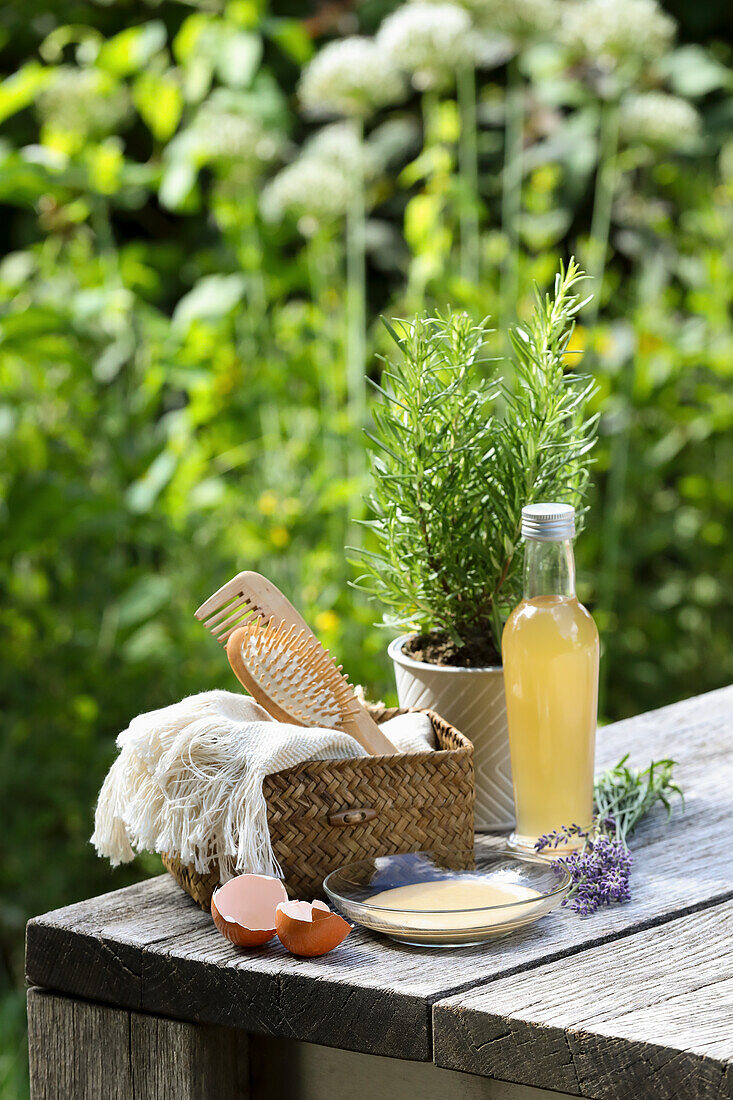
(297, 673)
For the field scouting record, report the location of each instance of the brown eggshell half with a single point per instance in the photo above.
(309, 929)
(244, 908)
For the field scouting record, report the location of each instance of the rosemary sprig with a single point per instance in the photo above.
(625, 795)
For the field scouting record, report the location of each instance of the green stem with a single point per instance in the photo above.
(468, 165)
(253, 238)
(420, 270)
(612, 522)
(327, 393)
(102, 227)
(511, 199)
(253, 322)
(356, 302)
(606, 179)
(271, 433)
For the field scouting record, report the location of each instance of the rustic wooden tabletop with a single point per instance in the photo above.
(138, 988)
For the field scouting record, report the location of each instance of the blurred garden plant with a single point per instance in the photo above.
(205, 210)
(456, 456)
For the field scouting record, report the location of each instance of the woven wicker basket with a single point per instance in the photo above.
(325, 813)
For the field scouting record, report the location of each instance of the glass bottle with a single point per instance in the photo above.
(550, 655)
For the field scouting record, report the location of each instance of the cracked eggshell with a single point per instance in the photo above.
(244, 908)
(309, 929)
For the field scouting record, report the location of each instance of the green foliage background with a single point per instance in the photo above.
(174, 401)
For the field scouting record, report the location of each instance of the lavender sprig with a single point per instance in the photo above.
(600, 870)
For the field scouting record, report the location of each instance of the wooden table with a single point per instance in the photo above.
(136, 995)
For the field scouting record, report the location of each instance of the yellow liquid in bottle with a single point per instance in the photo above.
(550, 657)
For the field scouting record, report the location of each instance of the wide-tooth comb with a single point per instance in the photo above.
(295, 679)
(244, 598)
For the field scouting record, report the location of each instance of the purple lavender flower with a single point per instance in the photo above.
(599, 871)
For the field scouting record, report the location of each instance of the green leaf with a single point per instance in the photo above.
(159, 100)
(692, 71)
(213, 297)
(142, 494)
(292, 38)
(421, 219)
(19, 90)
(144, 599)
(544, 230)
(147, 645)
(188, 40)
(131, 49)
(178, 184)
(238, 57)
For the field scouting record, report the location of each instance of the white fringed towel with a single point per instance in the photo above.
(188, 780)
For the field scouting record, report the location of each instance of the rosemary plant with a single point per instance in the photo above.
(456, 454)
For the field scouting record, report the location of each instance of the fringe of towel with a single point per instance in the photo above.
(188, 781)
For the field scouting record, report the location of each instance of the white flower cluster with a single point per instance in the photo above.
(428, 41)
(350, 77)
(340, 146)
(520, 19)
(611, 32)
(84, 101)
(309, 188)
(638, 212)
(317, 187)
(492, 48)
(220, 134)
(656, 118)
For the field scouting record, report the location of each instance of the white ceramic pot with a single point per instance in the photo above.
(472, 700)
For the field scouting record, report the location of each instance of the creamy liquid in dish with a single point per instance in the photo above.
(451, 895)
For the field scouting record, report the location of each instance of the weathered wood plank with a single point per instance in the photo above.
(187, 1061)
(650, 1016)
(77, 1050)
(371, 995)
(283, 1069)
(94, 949)
(355, 999)
(84, 1051)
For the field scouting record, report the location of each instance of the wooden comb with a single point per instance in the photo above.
(289, 673)
(244, 598)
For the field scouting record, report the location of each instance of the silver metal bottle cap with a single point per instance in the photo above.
(548, 522)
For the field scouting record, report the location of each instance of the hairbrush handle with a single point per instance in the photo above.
(362, 727)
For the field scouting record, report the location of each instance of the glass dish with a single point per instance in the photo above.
(533, 879)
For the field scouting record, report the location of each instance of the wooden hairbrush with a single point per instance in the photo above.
(289, 673)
